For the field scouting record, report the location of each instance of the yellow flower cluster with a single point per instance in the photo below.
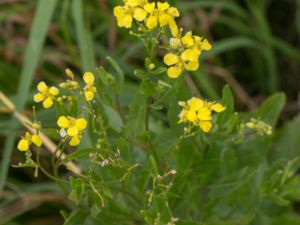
(72, 127)
(199, 112)
(187, 52)
(46, 95)
(149, 14)
(29, 139)
(186, 49)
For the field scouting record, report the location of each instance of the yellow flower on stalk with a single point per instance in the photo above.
(72, 127)
(161, 14)
(131, 10)
(27, 140)
(89, 88)
(46, 94)
(190, 47)
(199, 112)
(188, 60)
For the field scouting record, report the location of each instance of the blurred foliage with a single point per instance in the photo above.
(256, 51)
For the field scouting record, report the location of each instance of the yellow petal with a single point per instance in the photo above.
(72, 131)
(38, 97)
(88, 78)
(190, 55)
(171, 59)
(173, 28)
(162, 6)
(173, 11)
(205, 126)
(139, 14)
(174, 71)
(217, 107)
(164, 19)
(63, 122)
(182, 116)
(23, 145)
(204, 114)
(151, 22)
(191, 66)
(206, 45)
(36, 139)
(81, 124)
(195, 104)
(132, 3)
(53, 91)
(188, 40)
(89, 95)
(118, 10)
(149, 7)
(125, 21)
(42, 87)
(191, 115)
(47, 103)
(74, 141)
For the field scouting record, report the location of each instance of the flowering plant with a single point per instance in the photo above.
(166, 157)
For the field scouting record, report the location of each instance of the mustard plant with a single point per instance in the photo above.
(164, 156)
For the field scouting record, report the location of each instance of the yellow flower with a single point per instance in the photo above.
(73, 126)
(199, 112)
(187, 57)
(188, 60)
(201, 43)
(161, 14)
(89, 88)
(27, 140)
(175, 63)
(188, 40)
(131, 10)
(46, 95)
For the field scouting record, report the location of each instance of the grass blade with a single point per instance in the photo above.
(83, 37)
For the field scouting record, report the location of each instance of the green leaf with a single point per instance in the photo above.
(77, 217)
(137, 116)
(113, 117)
(106, 78)
(33, 50)
(271, 108)
(158, 70)
(148, 88)
(77, 190)
(287, 141)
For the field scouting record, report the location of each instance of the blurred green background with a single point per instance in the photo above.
(256, 50)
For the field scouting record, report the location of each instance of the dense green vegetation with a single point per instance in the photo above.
(250, 180)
